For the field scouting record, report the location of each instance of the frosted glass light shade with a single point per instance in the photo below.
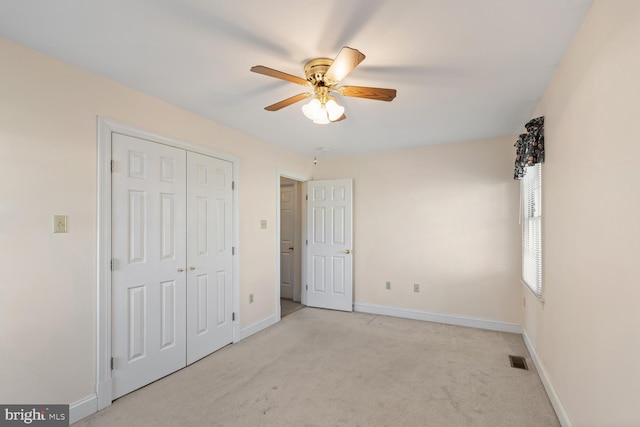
(322, 118)
(313, 109)
(334, 110)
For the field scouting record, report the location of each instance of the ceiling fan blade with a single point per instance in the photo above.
(339, 119)
(377, 93)
(345, 62)
(286, 102)
(260, 69)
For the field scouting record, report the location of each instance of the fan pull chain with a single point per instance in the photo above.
(315, 145)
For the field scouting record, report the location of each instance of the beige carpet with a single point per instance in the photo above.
(328, 368)
(288, 306)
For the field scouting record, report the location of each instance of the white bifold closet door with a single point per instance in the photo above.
(209, 325)
(171, 249)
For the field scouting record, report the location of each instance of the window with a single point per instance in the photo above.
(531, 206)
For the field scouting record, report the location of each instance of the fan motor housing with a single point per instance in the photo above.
(315, 69)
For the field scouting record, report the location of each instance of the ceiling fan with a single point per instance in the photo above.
(323, 75)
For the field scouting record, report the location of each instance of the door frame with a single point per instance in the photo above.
(302, 180)
(105, 127)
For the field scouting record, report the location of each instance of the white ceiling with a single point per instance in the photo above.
(464, 69)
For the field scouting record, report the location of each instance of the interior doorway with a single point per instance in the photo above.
(291, 201)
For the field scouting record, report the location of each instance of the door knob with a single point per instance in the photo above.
(193, 267)
(290, 248)
(347, 251)
(180, 270)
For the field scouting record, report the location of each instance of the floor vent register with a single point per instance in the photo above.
(518, 362)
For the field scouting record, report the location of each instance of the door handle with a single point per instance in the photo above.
(347, 251)
(180, 270)
(290, 248)
(193, 267)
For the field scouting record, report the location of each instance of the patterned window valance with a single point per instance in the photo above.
(529, 147)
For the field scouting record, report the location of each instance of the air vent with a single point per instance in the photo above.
(518, 362)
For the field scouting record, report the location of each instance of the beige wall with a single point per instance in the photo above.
(587, 333)
(445, 217)
(48, 152)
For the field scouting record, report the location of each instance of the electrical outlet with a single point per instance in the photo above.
(250, 298)
(388, 285)
(416, 287)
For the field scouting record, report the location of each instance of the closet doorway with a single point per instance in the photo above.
(167, 274)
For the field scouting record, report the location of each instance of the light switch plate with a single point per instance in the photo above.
(263, 223)
(59, 223)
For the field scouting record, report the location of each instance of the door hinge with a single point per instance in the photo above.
(233, 185)
(306, 242)
(233, 317)
(306, 287)
(111, 264)
(112, 363)
(112, 166)
(306, 197)
(233, 250)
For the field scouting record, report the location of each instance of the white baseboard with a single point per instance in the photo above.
(257, 327)
(561, 412)
(448, 319)
(83, 408)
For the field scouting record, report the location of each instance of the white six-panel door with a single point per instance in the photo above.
(287, 240)
(171, 248)
(209, 310)
(329, 231)
(148, 249)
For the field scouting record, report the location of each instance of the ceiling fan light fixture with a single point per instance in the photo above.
(315, 111)
(324, 75)
(323, 113)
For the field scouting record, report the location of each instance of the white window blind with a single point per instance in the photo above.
(531, 206)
